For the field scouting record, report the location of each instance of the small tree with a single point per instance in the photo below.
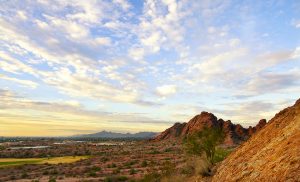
(204, 141)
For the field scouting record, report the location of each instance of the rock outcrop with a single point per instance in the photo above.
(234, 134)
(271, 154)
(172, 132)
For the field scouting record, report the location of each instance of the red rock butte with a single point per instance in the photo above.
(235, 134)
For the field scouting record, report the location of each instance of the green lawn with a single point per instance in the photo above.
(5, 162)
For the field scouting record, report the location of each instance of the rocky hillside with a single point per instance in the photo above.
(235, 134)
(272, 154)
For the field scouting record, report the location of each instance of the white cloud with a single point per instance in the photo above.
(136, 53)
(160, 27)
(268, 82)
(166, 90)
(123, 3)
(296, 23)
(103, 41)
(12, 65)
(234, 42)
(218, 64)
(72, 29)
(86, 79)
(27, 83)
(22, 15)
(296, 53)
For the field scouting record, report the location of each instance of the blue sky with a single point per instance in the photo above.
(69, 67)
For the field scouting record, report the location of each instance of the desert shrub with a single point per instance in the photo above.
(2, 147)
(168, 149)
(205, 142)
(24, 175)
(220, 154)
(168, 168)
(92, 174)
(116, 171)
(201, 165)
(54, 172)
(130, 163)
(96, 168)
(12, 177)
(125, 153)
(132, 171)
(87, 152)
(104, 159)
(151, 177)
(154, 152)
(115, 179)
(174, 178)
(188, 170)
(122, 178)
(113, 165)
(52, 179)
(144, 163)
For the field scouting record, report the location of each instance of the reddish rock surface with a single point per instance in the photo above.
(234, 134)
(271, 154)
(172, 132)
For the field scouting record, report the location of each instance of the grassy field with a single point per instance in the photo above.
(5, 162)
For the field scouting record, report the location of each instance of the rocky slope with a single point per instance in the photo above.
(272, 154)
(235, 134)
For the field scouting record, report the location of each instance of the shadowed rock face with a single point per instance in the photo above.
(172, 132)
(234, 134)
(272, 154)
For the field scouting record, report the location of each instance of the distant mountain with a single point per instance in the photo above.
(234, 133)
(113, 135)
(272, 154)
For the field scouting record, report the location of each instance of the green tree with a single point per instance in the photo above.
(204, 141)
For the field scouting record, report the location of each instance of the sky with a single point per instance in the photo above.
(72, 67)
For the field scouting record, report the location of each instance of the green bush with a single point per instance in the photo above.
(144, 163)
(116, 171)
(24, 175)
(132, 171)
(220, 154)
(52, 180)
(115, 179)
(95, 168)
(205, 142)
(92, 174)
(151, 177)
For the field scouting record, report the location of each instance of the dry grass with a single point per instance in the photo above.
(6, 162)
